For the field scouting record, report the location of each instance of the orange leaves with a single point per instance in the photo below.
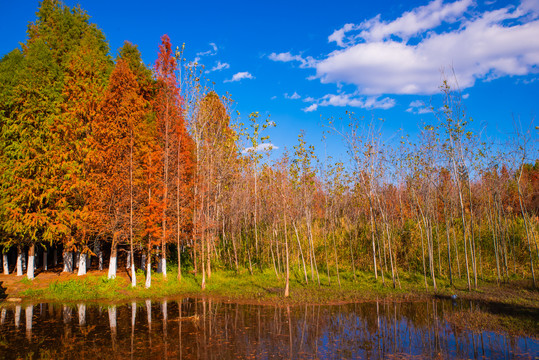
(116, 130)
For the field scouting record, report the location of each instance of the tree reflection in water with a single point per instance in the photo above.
(208, 329)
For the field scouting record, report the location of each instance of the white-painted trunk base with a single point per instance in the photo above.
(164, 267)
(133, 275)
(113, 266)
(128, 262)
(45, 256)
(148, 275)
(31, 267)
(19, 264)
(82, 264)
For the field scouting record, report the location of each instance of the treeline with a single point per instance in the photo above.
(97, 154)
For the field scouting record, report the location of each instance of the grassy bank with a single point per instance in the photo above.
(261, 287)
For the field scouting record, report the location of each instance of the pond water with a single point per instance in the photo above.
(192, 328)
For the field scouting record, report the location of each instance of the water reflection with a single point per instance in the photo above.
(197, 328)
(82, 314)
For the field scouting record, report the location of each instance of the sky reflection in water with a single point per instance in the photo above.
(204, 329)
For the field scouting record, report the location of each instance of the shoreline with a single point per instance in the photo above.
(511, 307)
(54, 286)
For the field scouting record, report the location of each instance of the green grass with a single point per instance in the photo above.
(262, 286)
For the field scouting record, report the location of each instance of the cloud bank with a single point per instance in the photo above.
(406, 55)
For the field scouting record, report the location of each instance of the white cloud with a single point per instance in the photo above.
(465, 96)
(311, 108)
(211, 52)
(482, 48)
(352, 100)
(288, 57)
(273, 97)
(338, 35)
(239, 76)
(529, 6)
(413, 22)
(418, 107)
(294, 96)
(219, 66)
(379, 57)
(259, 148)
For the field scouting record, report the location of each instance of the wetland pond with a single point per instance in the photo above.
(196, 328)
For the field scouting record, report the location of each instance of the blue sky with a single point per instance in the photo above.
(303, 62)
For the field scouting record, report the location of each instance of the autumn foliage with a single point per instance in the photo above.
(103, 156)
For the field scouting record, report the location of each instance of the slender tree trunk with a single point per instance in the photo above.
(287, 285)
(24, 259)
(68, 261)
(5, 263)
(82, 263)
(490, 218)
(165, 197)
(373, 231)
(272, 252)
(309, 228)
(178, 210)
(202, 265)
(388, 233)
(448, 247)
(430, 243)
(77, 259)
(423, 253)
(326, 243)
(301, 252)
(235, 253)
(148, 265)
(19, 260)
(131, 263)
(113, 262)
(472, 237)
(336, 259)
(45, 258)
(355, 231)
(463, 215)
(31, 262)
